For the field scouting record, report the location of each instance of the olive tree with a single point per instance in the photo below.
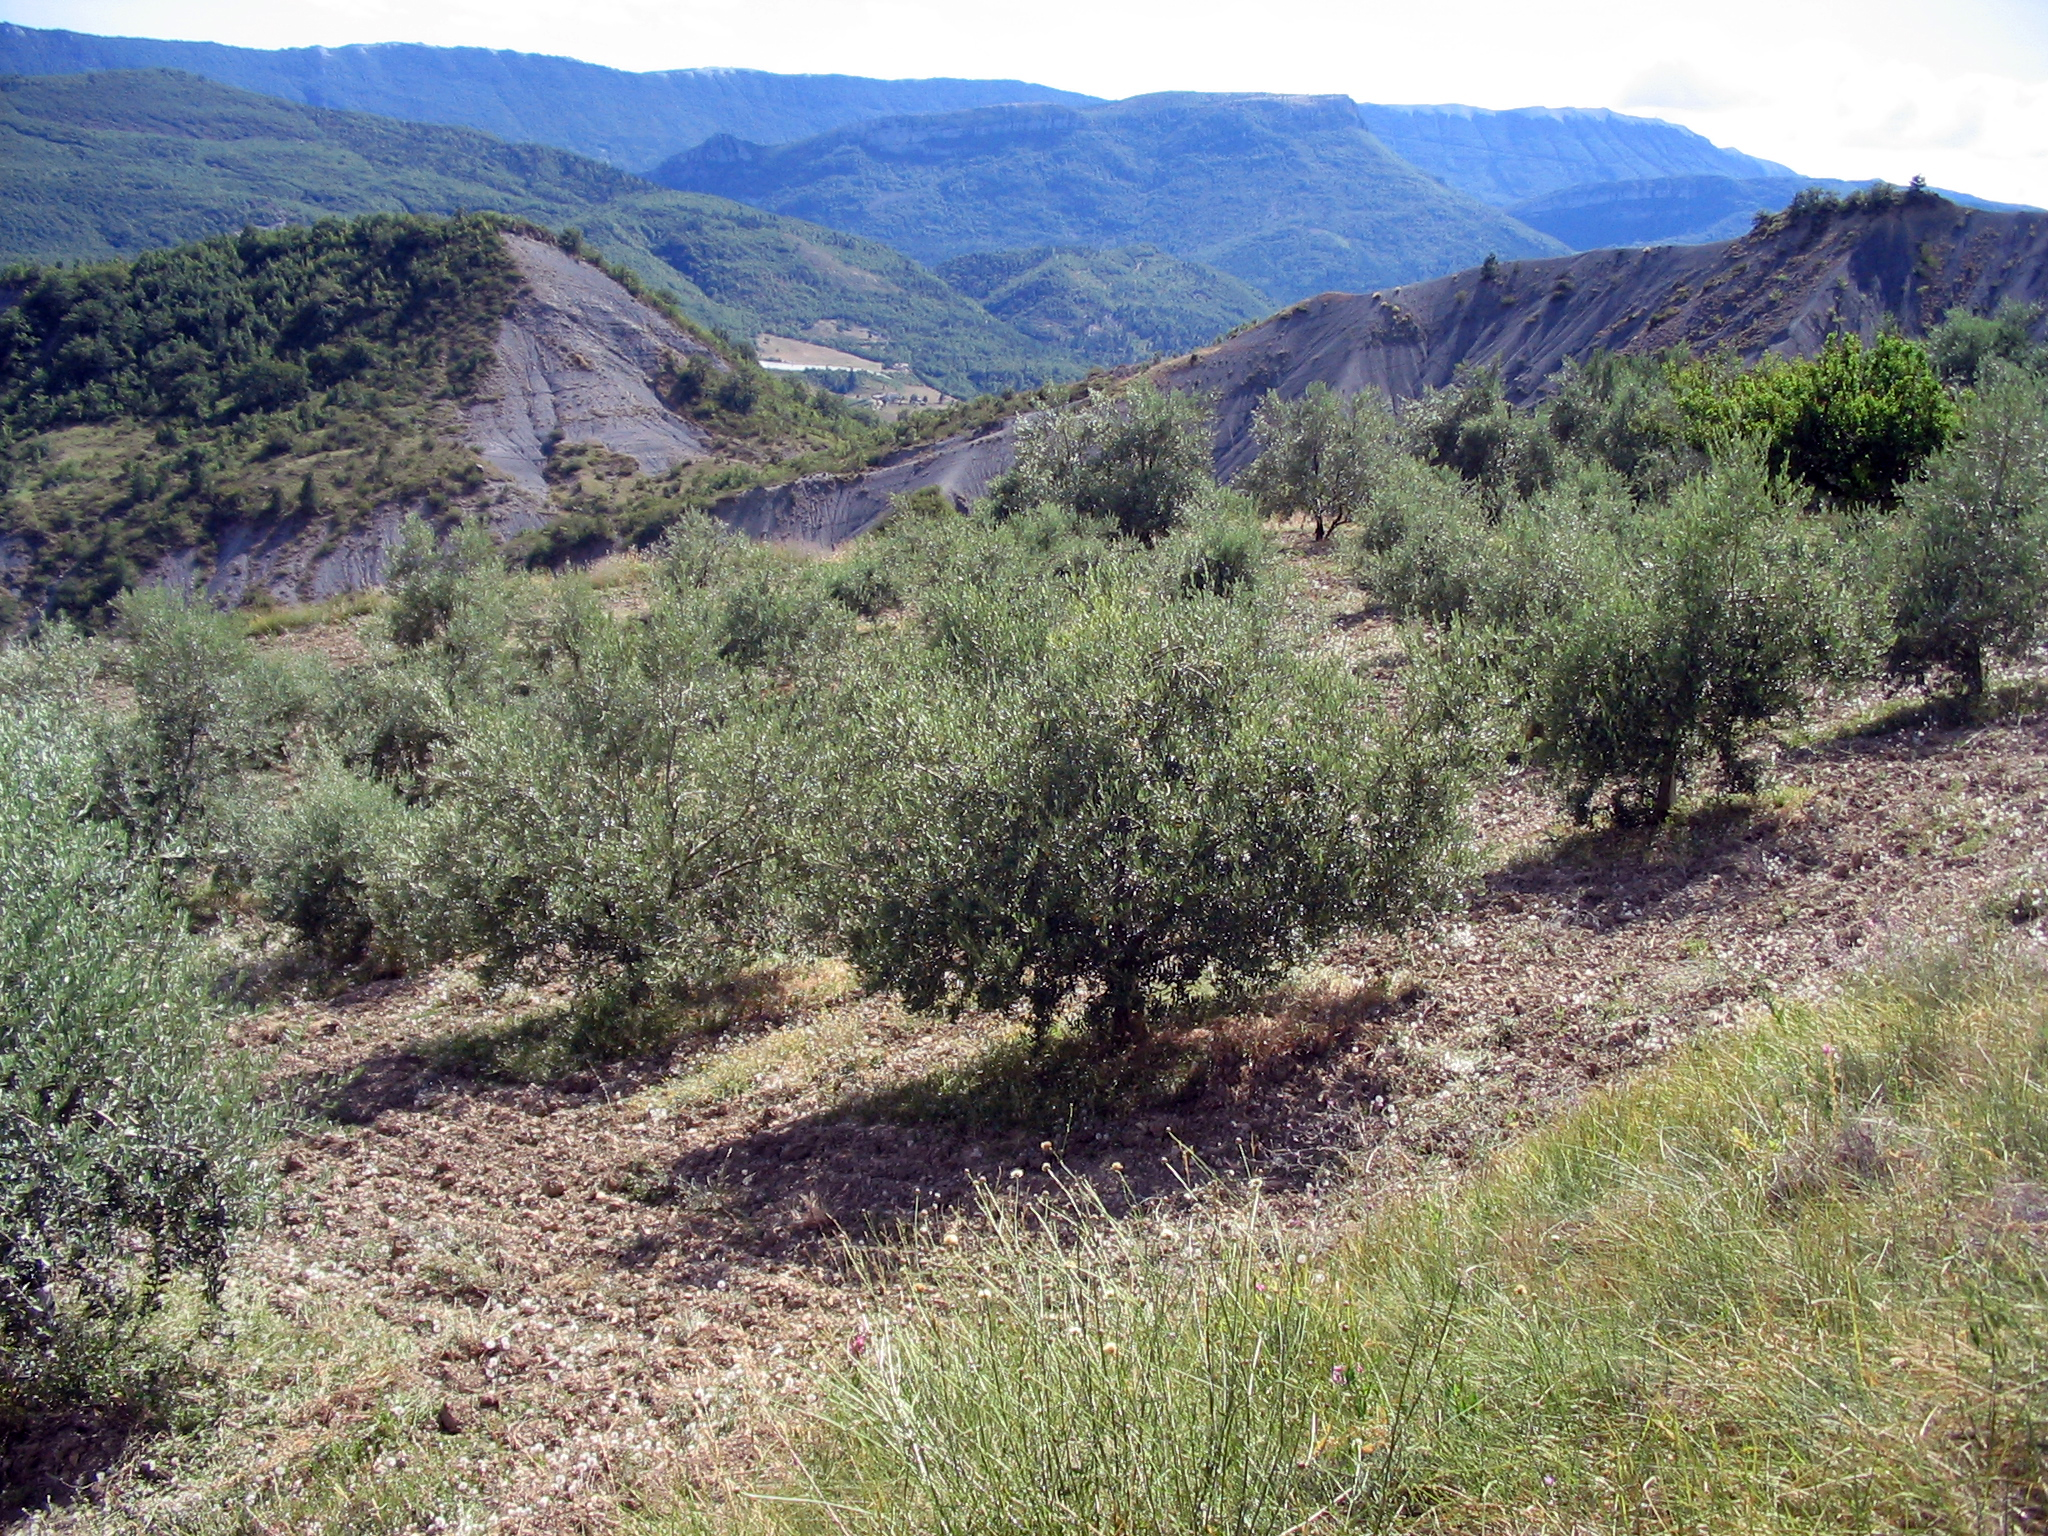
(621, 813)
(130, 1143)
(1970, 547)
(1119, 788)
(1321, 456)
(1695, 624)
(1135, 461)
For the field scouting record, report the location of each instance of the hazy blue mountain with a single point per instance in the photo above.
(1678, 210)
(1287, 193)
(1108, 307)
(1509, 156)
(632, 120)
(100, 166)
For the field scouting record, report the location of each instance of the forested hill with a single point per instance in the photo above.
(631, 120)
(1288, 193)
(1858, 265)
(107, 166)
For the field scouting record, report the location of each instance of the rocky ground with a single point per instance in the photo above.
(568, 1290)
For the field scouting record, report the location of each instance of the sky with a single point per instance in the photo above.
(1953, 90)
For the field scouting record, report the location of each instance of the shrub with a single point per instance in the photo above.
(1135, 461)
(1622, 412)
(431, 580)
(1970, 550)
(1510, 572)
(1854, 423)
(865, 586)
(1322, 457)
(320, 865)
(1963, 346)
(1074, 790)
(1470, 427)
(129, 1143)
(1221, 550)
(620, 815)
(1694, 625)
(208, 709)
(775, 611)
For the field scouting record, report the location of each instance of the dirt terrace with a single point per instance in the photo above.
(617, 1278)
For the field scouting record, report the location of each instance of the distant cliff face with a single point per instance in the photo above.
(1507, 157)
(630, 120)
(1785, 289)
(1287, 193)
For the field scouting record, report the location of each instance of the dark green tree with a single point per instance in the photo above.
(1853, 423)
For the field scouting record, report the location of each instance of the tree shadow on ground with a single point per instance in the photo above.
(564, 1053)
(56, 1458)
(1276, 1091)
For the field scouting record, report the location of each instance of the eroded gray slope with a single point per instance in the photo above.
(1785, 290)
(822, 511)
(579, 360)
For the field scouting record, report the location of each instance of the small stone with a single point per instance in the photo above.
(554, 1189)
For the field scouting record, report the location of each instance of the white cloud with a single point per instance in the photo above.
(1953, 89)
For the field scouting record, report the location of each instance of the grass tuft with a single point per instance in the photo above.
(1791, 1281)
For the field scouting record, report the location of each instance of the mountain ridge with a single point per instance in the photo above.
(1290, 194)
(629, 119)
(1506, 156)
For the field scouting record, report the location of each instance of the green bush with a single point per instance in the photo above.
(208, 710)
(1220, 549)
(1135, 461)
(1454, 558)
(1692, 626)
(1469, 427)
(1970, 548)
(129, 1142)
(320, 868)
(1622, 412)
(1963, 346)
(1854, 423)
(621, 814)
(776, 611)
(1321, 456)
(432, 581)
(1071, 790)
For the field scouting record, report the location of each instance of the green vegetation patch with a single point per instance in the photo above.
(1791, 1282)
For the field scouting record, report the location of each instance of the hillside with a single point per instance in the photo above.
(105, 166)
(1785, 287)
(1289, 194)
(1508, 157)
(1108, 307)
(256, 414)
(1679, 210)
(630, 119)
